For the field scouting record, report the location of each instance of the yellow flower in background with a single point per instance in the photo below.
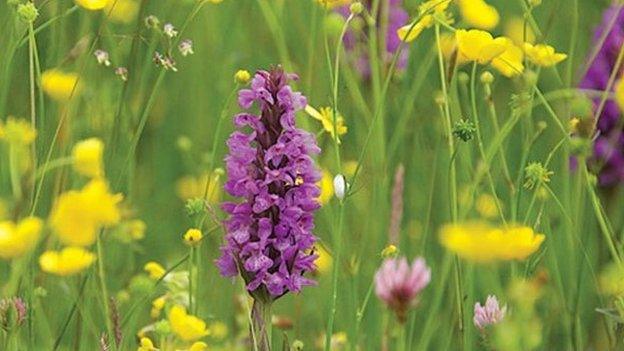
(448, 46)
(426, 10)
(434, 6)
(509, 63)
(479, 14)
(338, 341)
(155, 270)
(326, 117)
(327, 187)
(136, 228)
(60, 85)
(218, 330)
(389, 251)
(480, 46)
(193, 237)
(323, 261)
(157, 306)
(330, 4)
(124, 11)
(70, 260)
(410, 32)
(190, 187)
(516, 30)
(92, 5)
(349, 167)
(480, 242)
(198, 346)
(486, 206)
(87, 157)
(185, 326)
(611, 280)
(18, 239)
(146, 344)
(543, 55)
(619, 93)
(78, 215)
(17, 132)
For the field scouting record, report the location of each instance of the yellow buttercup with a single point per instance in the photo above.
(480, 46)
(481, 242)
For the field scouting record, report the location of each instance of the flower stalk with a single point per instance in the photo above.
(261, 325)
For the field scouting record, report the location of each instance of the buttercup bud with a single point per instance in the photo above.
(27, 12)
(242, 76)
(356, 8)
(464, 130)
(487, 77)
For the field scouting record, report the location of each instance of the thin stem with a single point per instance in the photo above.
(603, 221)
(475, 117)
(334, 296)
(33, 107)
(102, 281)
(490, 103)
(448, 125)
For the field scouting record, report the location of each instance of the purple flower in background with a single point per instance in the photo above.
(356, 42)
(269, 233)
(489, 314)
(609, 143)
(398, 284)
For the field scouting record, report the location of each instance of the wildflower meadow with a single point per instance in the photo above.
(288, 175)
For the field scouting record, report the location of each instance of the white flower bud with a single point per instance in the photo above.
(340, 186)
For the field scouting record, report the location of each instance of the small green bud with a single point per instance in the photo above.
(439, 98)
(162, 327)
(535, 3)
(464, 130)
(487, 77)
(542, 125)
(358, 24)
(580, 146)
(140, 284)
(333, 24)
(194, 206)
(536, 174)
(463, 77)
(152, 22)
(40, 292)
(123, 296)
(530, 78)
(27, 12)
(184, 143)
(356, 8)
(297, 345)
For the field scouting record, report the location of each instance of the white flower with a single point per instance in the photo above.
(186, 47)
(170, 30)
(122, 72)
(102, 57)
